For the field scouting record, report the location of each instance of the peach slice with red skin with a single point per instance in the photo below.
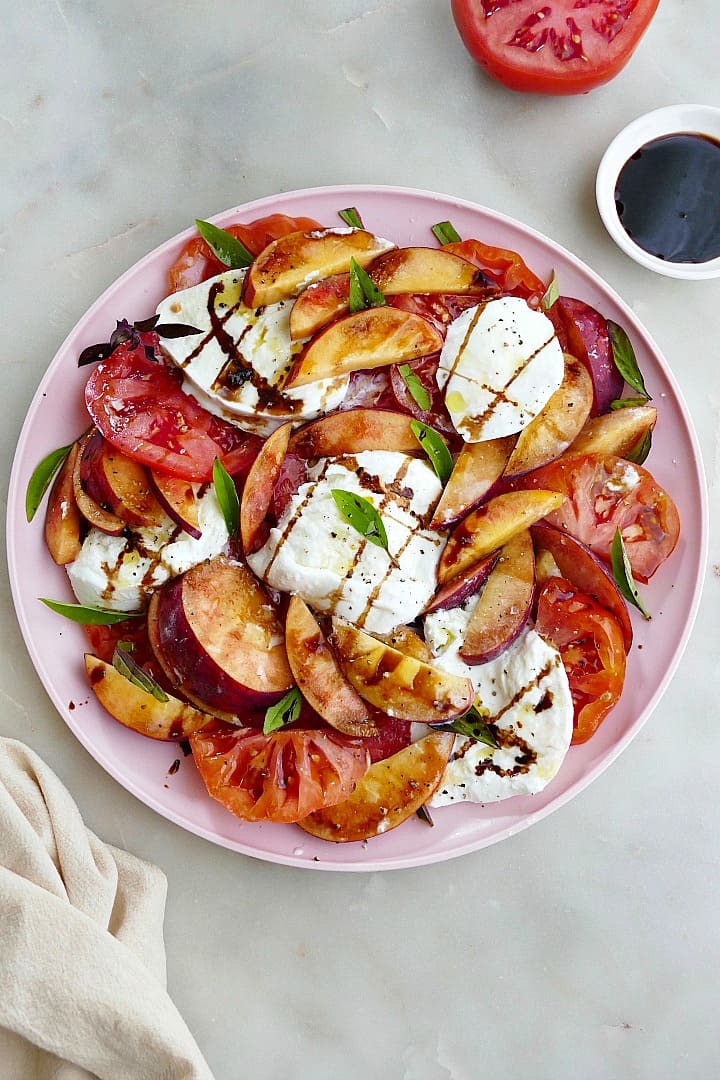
(372, 338)
(465, 585)
(118, 483)
(286, 265)
(95, 514)
(491, 526)
(390, 792)
(504, 605)
(318, 675)
(260, 483)
(63, 520)
(354, 431)
(478, 467)
(617, 432)
(135, 708)
(398, 684)
(318, 305)
(177, 498)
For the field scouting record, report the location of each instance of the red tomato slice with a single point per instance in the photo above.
(281, 777)
(505, 267)
(139, 407)
(590, 641)
(608, 493)
(552, 47)
(196, 262)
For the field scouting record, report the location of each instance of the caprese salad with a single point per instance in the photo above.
(359, 522)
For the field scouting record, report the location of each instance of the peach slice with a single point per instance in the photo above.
(130, 491)
(557, 424)
(460, 588)
(504, 606)
(368, 339)
(407, 641)
(287, 265)
(478, 467)
(428, 270)
(94, 514)
(398, 684)
(492, 526)
(390, 792)
(177, 498)
(318, 305)
(318, 675)
(258, 490)
(63, 520)
(135, 708)
(353, 431)
(616, 432)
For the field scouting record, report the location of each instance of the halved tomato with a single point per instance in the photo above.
(590, 642)
(552, 46)
(281, 777)
(506, 268)
(140, 408)
(608, 493)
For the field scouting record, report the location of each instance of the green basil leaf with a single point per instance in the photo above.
(424, 814)
(552, 293)
(627, 403)
(227, 497)
(473, 725)
(364, 293)
(41, 479)
(362, 515)
(417, 391)
(89, 616)
(445, 233)
(622, 572)
(351, 217)
(624, 358)
(284, 712)
(639, 453)
(436, 449)
(224, 246)
(124, 663)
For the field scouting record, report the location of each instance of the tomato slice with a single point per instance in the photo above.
(506, 268)
(281, 777)
(608, 493)
(196, 262)
(590, 641)
(555, 46)
(139, 406)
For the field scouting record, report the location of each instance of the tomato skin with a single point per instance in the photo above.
(505, 267)
(556, 47)
(281, 777)
(590, 641)
(140, 408)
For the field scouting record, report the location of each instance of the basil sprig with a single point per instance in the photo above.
(87, 615)
(227, 496)
(364, 293)
(627, 403)
(622, 572)
(446, 233)
(551, 294)
(424, 814)
(417, 391)
(284, 712)
(435, 448)
(639, 453)
(362, 515)
(42, 477)
(351, 217)
(125, 331)
(224, 245)
(625, 360)
(125, 665)
(471, 724)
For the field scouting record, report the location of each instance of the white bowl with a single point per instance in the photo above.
(672, 120)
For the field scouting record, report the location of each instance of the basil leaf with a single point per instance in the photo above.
(144, 326)
(417, 391)
(639, 453)
(284, 712)
(552, 293)
(89, 616)
(473, 725)
(351, 217)
(364, 293)
(176, 330)
(227, 496)
(445, 233)
(627, 403)
(41, 478)
(622, 572)
(424, 814)
(436, 449)
(93, 353)
(362, 515)
(624, 358)
(224, 246)
(124, 663)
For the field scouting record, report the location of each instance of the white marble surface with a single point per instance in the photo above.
(588, 946)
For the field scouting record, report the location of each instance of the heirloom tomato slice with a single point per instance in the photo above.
(505, 267)
(552, 46)
(281, 777)
(590, 642)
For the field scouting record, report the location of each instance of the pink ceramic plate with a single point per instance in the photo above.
(56, 646)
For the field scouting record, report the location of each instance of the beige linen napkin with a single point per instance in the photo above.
(82, 959)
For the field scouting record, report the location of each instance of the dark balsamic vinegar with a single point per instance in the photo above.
(668, 198)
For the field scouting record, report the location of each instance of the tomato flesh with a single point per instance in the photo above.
(505, 267)
(552, 47)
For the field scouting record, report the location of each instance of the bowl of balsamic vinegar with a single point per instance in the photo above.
(658, 191)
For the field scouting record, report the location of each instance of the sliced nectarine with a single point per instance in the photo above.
(63, 520)
(503, 608)
(478, 467)
(428, 270)
(353, 431)
(318, 305)
(91, 510)
(616, 432)
(258, 490)
(178, 500)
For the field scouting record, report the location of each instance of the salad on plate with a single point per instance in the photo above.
(359, 523)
